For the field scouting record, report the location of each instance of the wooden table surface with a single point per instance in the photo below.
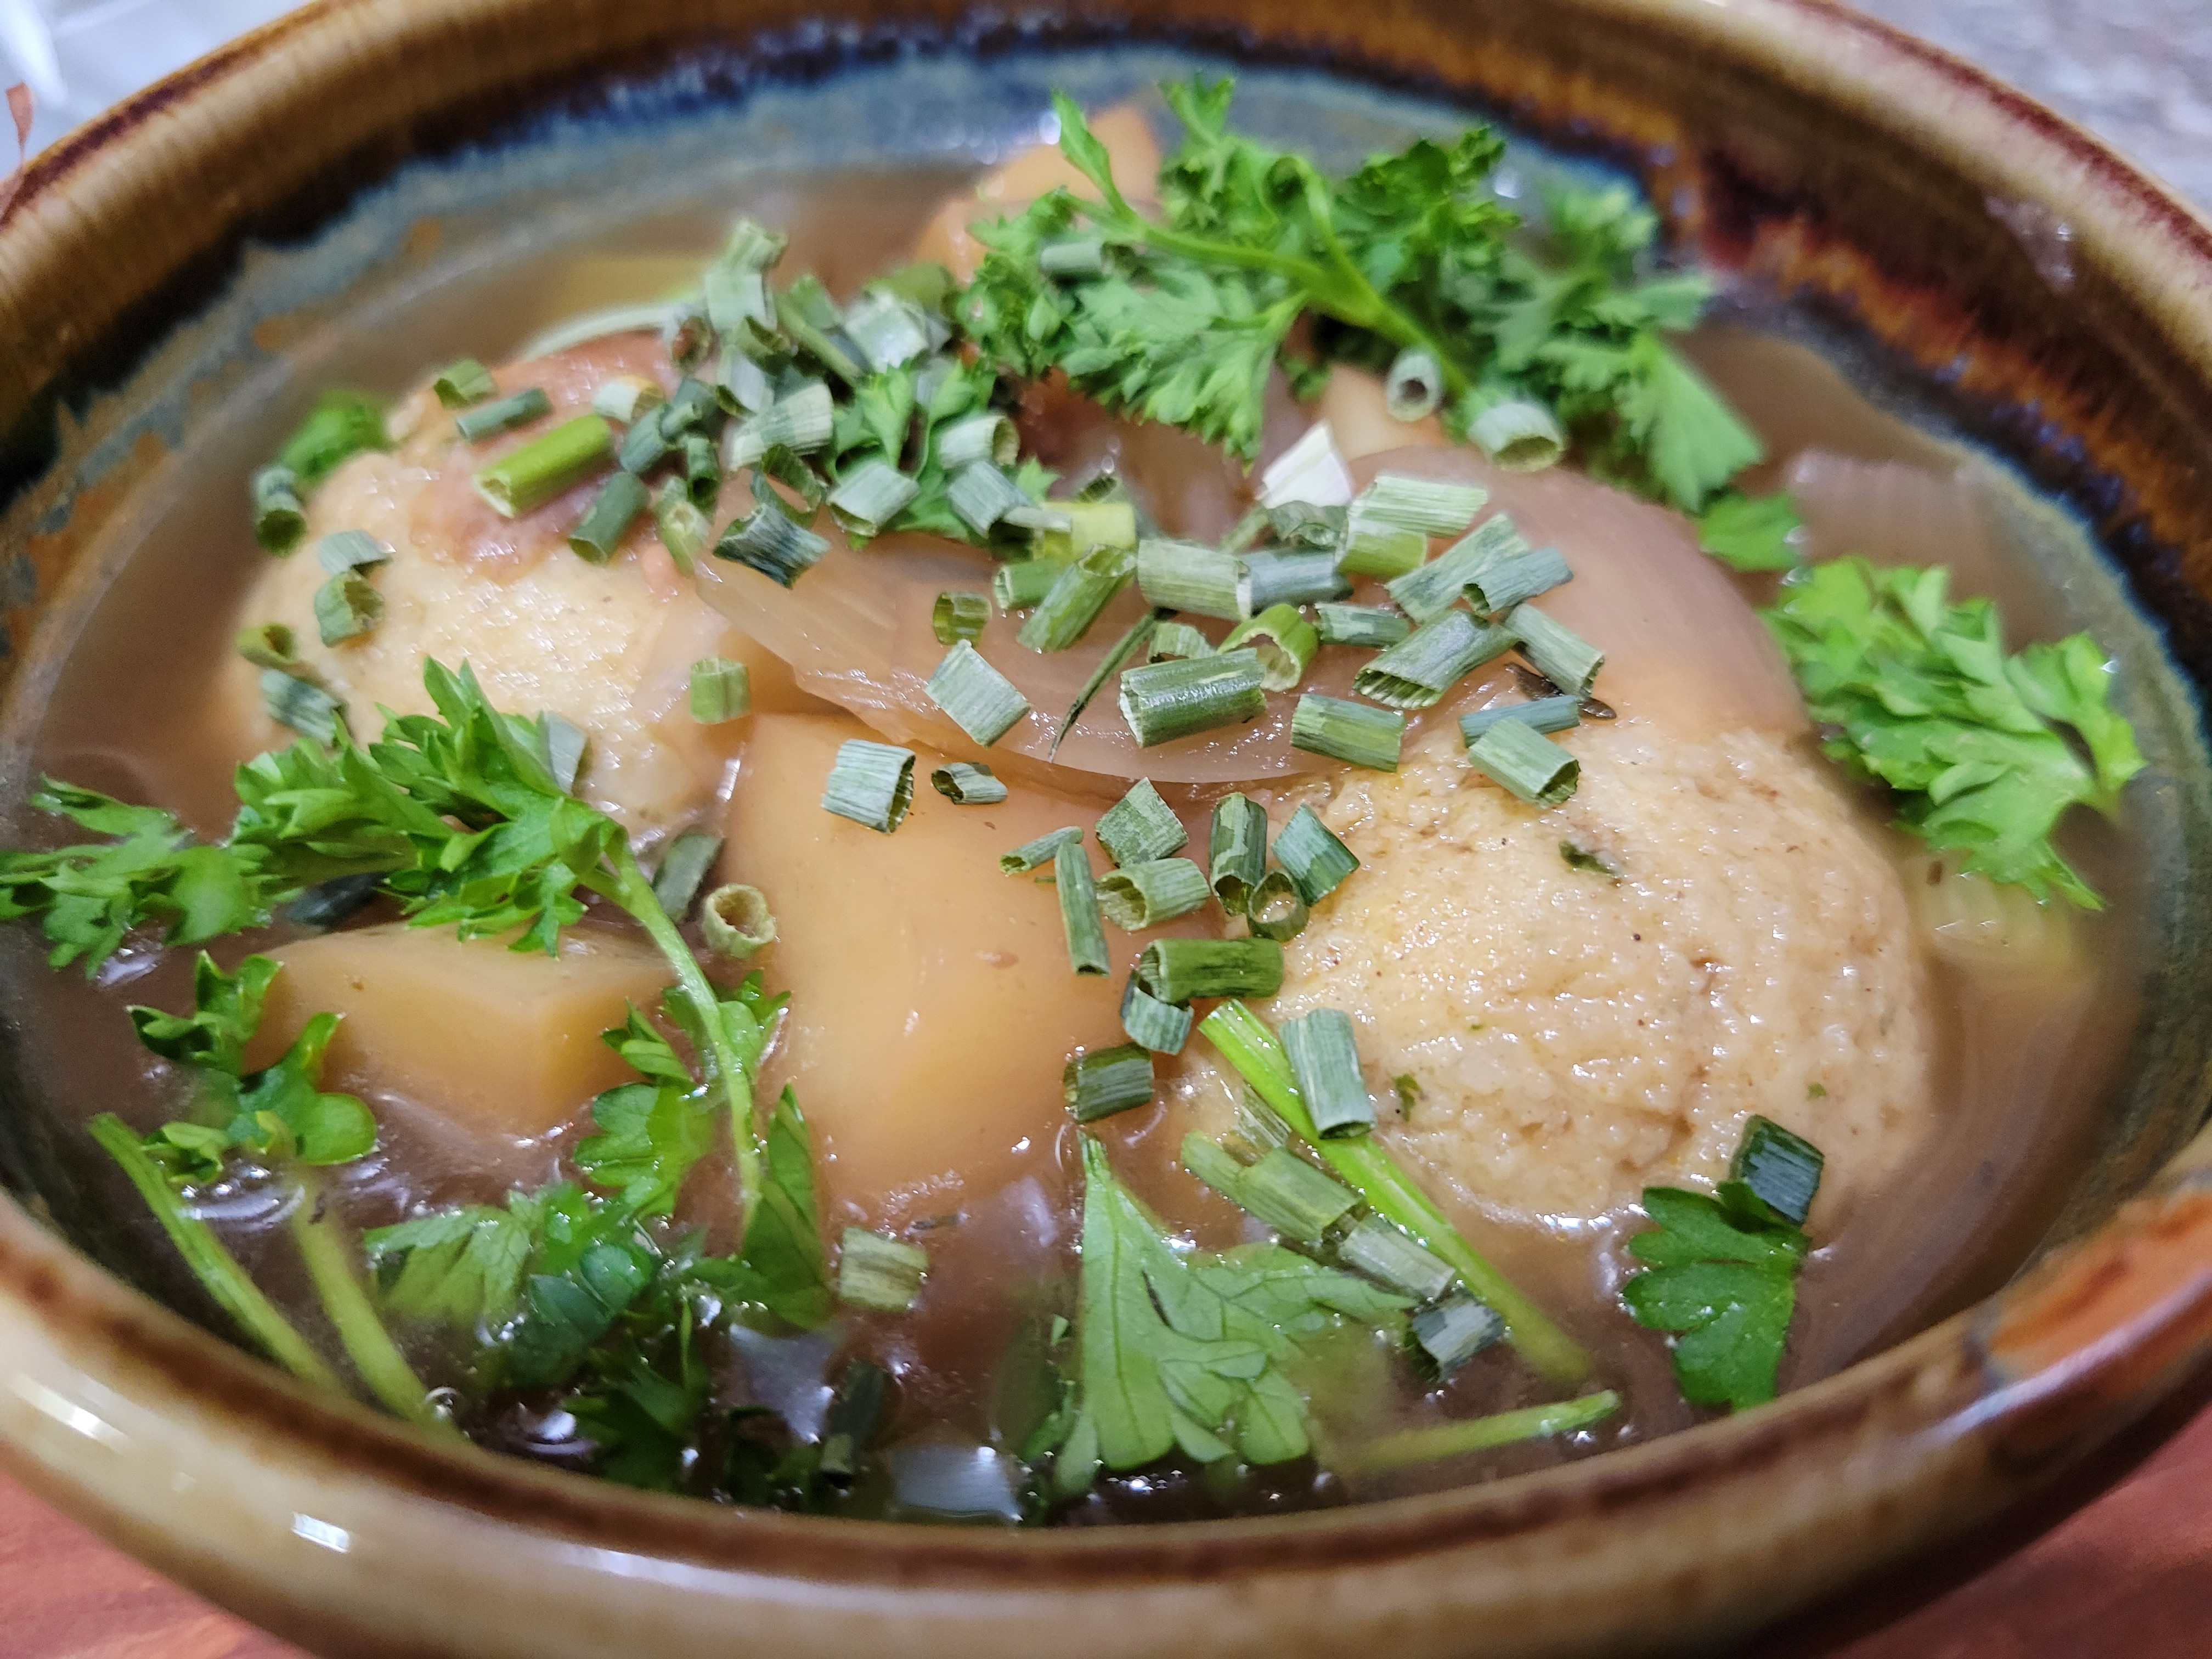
(2131, 1575)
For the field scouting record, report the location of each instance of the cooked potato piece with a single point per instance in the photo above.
(499, 1039)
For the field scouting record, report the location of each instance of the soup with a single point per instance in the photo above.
(1199, 837)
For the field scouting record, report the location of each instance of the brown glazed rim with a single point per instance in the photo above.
(2037, 1374)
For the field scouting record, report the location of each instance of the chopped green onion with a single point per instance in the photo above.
(1300, 526)
(811, 317)
(987, 437)
(1432, 508)
(1781, 1169)
(1082, 590)
(736, 920)
(975, 696)
(739, 306)
(889, 329)
(800, 420)
(1560, 654)
(870, 496)
(1079, 908)
(1374, 548)
(645, 445)
(547, 466)
(785, 466)
(1021, 583)
(1284, 641)
(1141, 827)
(350, 549)
(850, 1425)
(1159, 1026)
(1281, 1189)
(1445, 1335)
(625, 398)
(1428, 592)
(1275, 909)
(1415, 386)
(957, 615)
(870, 783)
(1431, 1445)
(771, 542)
(516, 408)
(1140, 896)
(964, 785)
(685, 531)
(270, 645)
(1090, 524)
(462, 383)
(342, 425)
(1311, 470)
(1030, 855)
(1347, 731)
(1178, 640)
(1130, 645)
(1164, 701)
(1259, 1125)
(1082, 254)
(300, 704)
(1520, 437)
(741, 385)
(1325, 1060)
(683, 870)
(1375, 626)
(694, 406)
(1178, 970)
(879, 1272)
(1385, 1252)
(984, 496)
(1503, 582)
(1531, 765)
(703, 469)
(347, 605)
(279, 517)
(1315, 859)
(564, 743)
(1106, 1081)
(688, 333)
(1176, 575)
(1421, 669)
(722, 690)
(1237, 854)
(608, 520)
(1271, 579)
(1559, 713)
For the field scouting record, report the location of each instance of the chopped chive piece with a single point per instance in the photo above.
(788, 468)
(869, 497)
(342, 425)
(1164, 701)
(490, 420)
(1325, 1060)
(1781, 1169)
(888, 328)
(1272, 579)
(975, 696)
(1445, 1335)
(1030, 855)
(1430, 1445)
(1284, 641)
(1140, 896)
(562, 743)
(722, 690)
(1311, 470)
(1108, 1080)
(1237, 854)
(1177, 575)
(608, 520)
(988, 437)
(1383, 1253)
(1159, 1026)
(270, 645)
(870, 783)
(1375, 626)
(347, 605)
(741, 385)
(683, 870)
(1560, 654)
(694, 407)
(984, 497)
(770, 541)
(1079, 908)
(1421, 669)
(1178, 970)
(811, 318)
(1374, 548)
(1531, 765)
(1303, 527)
(879, 1273)
(645, 445)
(1281, 1189)
(546, 465)
(1499, 584)
(688, 332)
(1559, 713)
(625, 398)
(300, 704)
(1520, 437)
(685, 531)
(1275, 909)
(1432, 508)
(350, 549)
(1178, 640)
(1141, 827)
(1213, 1164)
(703, 469)
(1414, 387)
(1346, 730)
(1314, 857)
(800, 420)
(964, 785)
(279, 517)
(1078, 595)
(1259, 1125)
(1428, 592)
(736, 920)
(1021, 583)
(462, 383)
(1090, 524)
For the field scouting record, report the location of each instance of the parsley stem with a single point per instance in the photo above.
(1478, 1434)
(1365, 1165)
(375, 1356)
(215, 1266)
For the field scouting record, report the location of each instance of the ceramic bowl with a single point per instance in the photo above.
(2053, 301)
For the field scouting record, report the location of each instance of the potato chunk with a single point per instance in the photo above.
(497, 1039)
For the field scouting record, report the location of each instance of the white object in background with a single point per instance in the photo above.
(26, 43)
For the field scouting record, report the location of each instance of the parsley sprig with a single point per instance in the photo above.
(1722, 1274)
